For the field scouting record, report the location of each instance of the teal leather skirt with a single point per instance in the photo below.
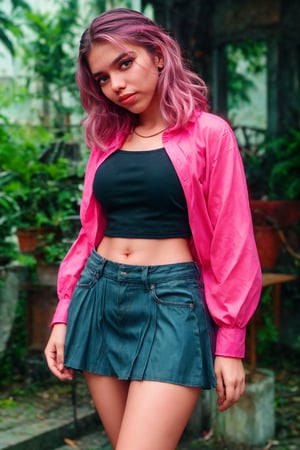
(141, 323)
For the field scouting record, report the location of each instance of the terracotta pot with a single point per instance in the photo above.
(268, 245)
(28, 239)
(282, 212)
(32, 238)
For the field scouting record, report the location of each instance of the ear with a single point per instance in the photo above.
(159, 61)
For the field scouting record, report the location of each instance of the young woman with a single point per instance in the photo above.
(164, 274)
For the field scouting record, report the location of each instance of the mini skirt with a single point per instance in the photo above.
(141, 323)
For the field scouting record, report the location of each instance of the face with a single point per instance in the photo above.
(127, 75)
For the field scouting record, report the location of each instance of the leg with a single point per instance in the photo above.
(155, 415)
(109, 395)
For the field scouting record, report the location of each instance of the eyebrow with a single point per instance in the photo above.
(114, 62)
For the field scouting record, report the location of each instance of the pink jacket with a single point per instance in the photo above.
(208, 163)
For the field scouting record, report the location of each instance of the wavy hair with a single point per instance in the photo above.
(180, 90)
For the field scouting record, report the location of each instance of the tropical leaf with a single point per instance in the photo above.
(8, 26)
(6, 41)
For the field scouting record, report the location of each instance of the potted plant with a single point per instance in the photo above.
(274, 189)
(45, 192)
(49, 256)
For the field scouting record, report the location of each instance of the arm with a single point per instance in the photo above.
(233, 275)
(70, 270)
(93, 223)
(69, 273)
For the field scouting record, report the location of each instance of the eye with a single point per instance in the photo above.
(126, 63)
(101, 80)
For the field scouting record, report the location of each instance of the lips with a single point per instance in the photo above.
(127, 99)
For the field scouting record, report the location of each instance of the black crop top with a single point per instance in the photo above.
(141, 195)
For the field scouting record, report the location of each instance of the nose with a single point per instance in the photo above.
(117, 81)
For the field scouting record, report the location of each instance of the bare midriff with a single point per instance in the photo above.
(145, 252)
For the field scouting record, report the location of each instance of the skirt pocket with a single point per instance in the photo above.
(174, 293)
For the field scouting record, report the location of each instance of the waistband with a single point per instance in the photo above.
(142, 274)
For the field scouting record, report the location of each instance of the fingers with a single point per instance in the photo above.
(230, 381)
(54, 353)
(59, 355)
(220, 388)
(231, 395)
(55, 364)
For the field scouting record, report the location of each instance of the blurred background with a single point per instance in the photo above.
(248, 53)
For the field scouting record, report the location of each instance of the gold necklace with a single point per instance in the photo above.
(150, 135)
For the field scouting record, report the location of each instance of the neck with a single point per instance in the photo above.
(147, 135)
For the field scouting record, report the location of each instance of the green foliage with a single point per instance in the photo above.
(100, 5)
(240, 82)
(284, 180)
(257, 172)
(27, 260)
(268, 333)
(39, 189)
(54, 251)
(39, 178)
(8, 214)
(273, 170)
(49, 57)
(44, 192)
(7, 403)
(9, 23)
(297, 343)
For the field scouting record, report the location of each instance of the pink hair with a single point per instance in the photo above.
(180, 90)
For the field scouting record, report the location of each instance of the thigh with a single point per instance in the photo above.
(109, 396)
(155, 415)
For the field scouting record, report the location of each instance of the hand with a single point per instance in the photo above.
(230, 377)
(54, 353)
